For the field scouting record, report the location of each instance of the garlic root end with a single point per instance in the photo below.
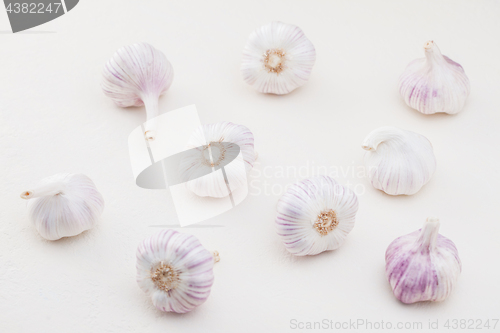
(216, 256)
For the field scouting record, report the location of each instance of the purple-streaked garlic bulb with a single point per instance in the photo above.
(64, 205)
(315, 215)
(398, 161)
(175, 270)
(423, 265)
(277, 58)
(138, 75)
(435, 83)
(212, 146)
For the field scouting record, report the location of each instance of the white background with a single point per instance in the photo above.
(55, 118)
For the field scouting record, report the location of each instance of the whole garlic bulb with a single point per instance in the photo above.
(64, 205)
(175, 270)
(398, 161)
(217, 139)
(277, 58)
(315, 215)
(138, 75)
(434, 83)
(423, 265)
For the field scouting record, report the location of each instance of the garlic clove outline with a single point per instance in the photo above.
(435, 83)
(64, 205)
(175, 270)
(315, 215)
(423, 265)
(278, 58)
(398, 162)
(137, 75)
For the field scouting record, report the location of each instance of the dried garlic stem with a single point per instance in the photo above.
(43, 190)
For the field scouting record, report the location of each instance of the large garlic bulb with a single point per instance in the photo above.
(315, 215)
(64, 205)
(398, 161)
(277, 58)
(175, 270)
(212, 146)
(423, 265)
(138, 75)
(434, 83)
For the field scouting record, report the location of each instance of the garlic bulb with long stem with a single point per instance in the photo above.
(212, 146)
(64, 205)
(138, 75)
(398, 161)
(435, 83)
(315, 215)
(277, 58)
(423, 265)
(175, 270)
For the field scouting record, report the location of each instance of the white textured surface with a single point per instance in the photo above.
(54, 118)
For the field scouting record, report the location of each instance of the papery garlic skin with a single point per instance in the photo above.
(64, 205)
(277, 58)
(217, 137)
(175, 270)
(138, 75)
(423, 265)
(315, 215)
(435, 83)
(398, 161)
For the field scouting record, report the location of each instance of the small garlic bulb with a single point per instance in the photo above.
(398, 161)
(277, 58)
(138, 75)
(423, 265)
(315, 215)
(211, 146)
(175, 270)
(64, 205)
(434, 83)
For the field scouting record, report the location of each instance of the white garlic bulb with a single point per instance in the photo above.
(315, 215)
(175, 270)
(64, 205)
(213, 146)
(398, 161)
(138, 75)
(423, 265)
(434, 83)
(277, 58)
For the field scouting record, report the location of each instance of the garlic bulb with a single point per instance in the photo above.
(138, 75)
(175, 270)
(434, 83)
(398, 161)
(423, 265)
(212, 146)
(64, 205)
(277, 58)
(315, 215)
